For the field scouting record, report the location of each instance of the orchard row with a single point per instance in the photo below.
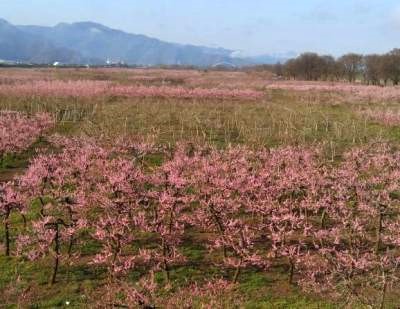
(92, 88)
(336, 226)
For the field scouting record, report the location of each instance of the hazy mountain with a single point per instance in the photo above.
(93, 40)
(273, 58)
(88, 42)
(16, 44)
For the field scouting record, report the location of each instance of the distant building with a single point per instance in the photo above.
(8, 62)
(224, 66)
(111, 63)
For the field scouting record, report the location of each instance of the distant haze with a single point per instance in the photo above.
(95, 44)
(248, 27)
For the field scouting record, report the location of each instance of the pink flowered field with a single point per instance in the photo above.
(386, 117)
(172, 84)
(90, 88)
(286, 211)
(355, 90)
(18, 131)
(255, 209)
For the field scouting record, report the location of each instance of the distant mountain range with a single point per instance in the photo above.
(95, 44)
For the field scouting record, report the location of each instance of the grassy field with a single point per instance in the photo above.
(333, 120)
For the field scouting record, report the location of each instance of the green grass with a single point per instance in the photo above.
(281, 118)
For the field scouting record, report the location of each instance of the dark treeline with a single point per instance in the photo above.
(370, 69)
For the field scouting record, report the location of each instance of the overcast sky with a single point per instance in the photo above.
(251, 26)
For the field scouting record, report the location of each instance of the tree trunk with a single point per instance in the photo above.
(24, 219)
(323, 216)
(166, 266)
(237, 272)
(220, 227)
(7, 230)
(291, 271)
(42, 207)
(70, 245)
(379, 231)
(57, 251)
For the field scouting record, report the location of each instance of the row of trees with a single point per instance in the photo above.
(335, 227)
(18, 131)
(371, 69)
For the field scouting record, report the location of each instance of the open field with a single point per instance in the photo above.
(146, 186)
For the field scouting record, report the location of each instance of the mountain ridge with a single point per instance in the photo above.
(89, 42)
